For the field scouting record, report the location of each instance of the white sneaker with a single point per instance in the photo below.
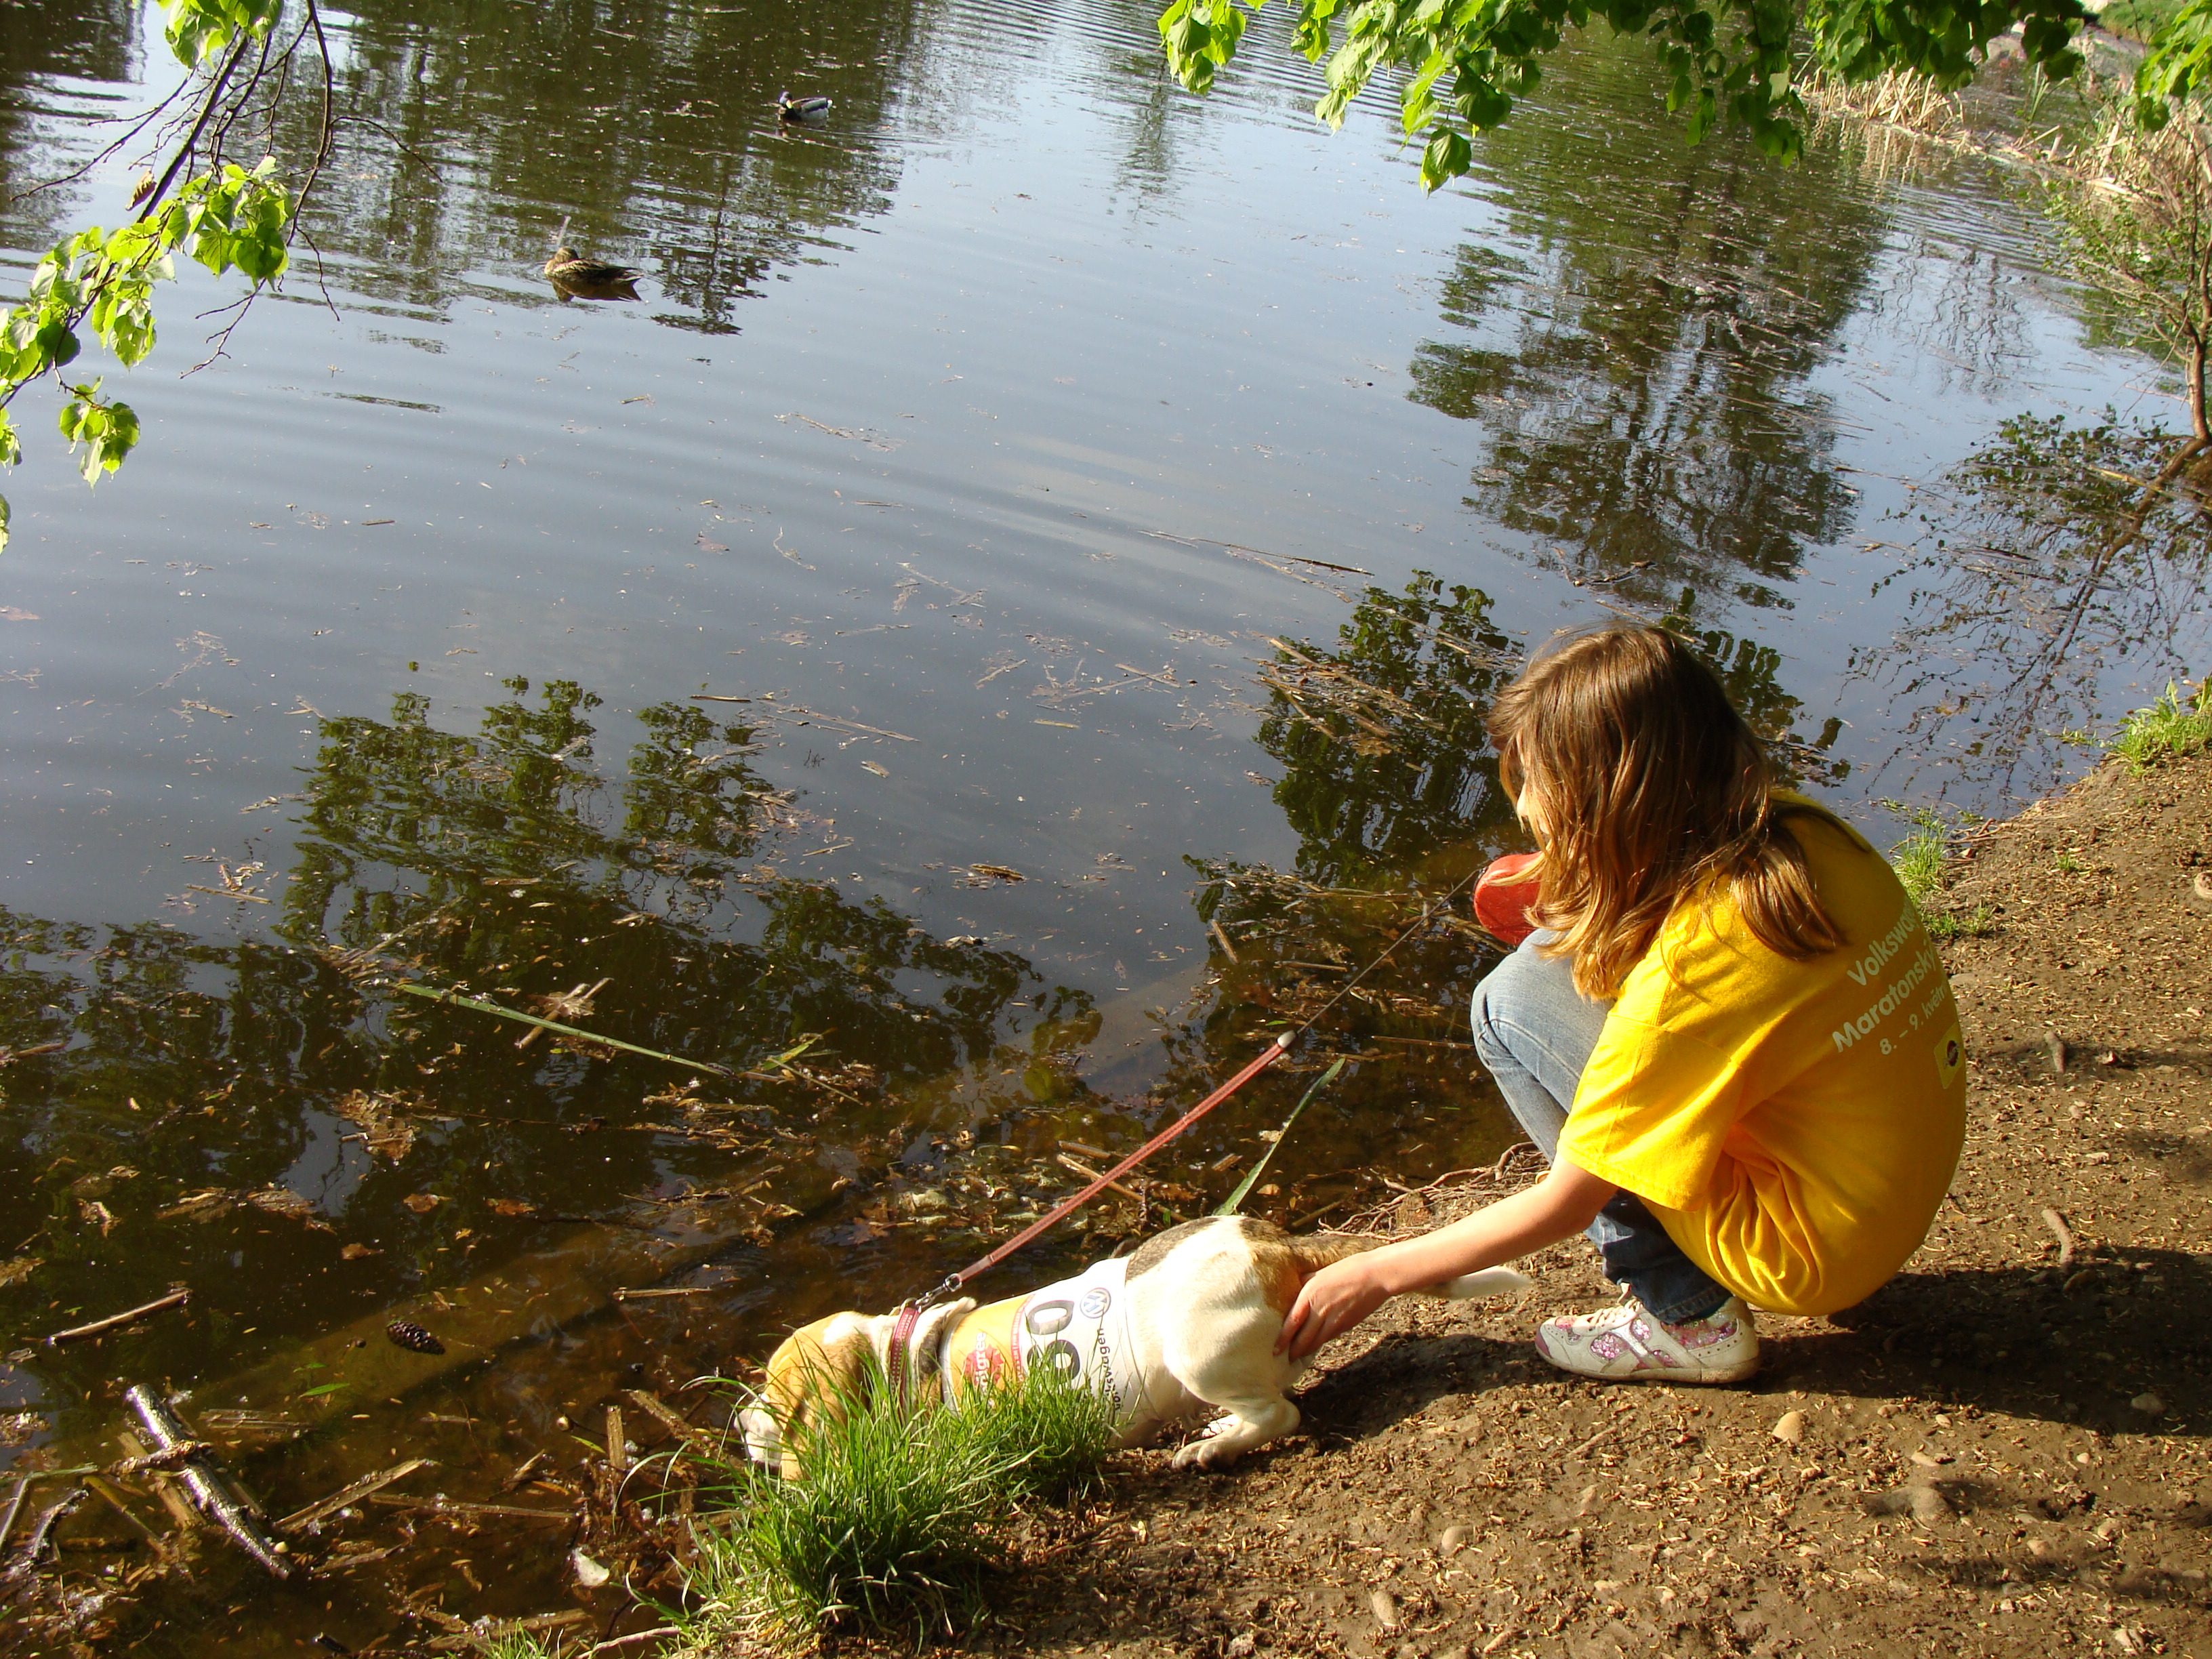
(1627, 1344)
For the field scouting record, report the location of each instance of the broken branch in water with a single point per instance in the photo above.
(209, 1484)
(43, 1530)
(176, 1299)
(432, 993)
(323, 1508)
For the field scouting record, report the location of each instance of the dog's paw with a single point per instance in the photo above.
(1206, 1454)
(1221, 1443)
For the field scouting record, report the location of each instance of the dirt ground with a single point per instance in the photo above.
(2003, 1451)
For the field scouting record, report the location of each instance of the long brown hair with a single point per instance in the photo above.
(1645, 788)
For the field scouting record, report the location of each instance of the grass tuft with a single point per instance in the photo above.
(2178, 724)
(1918, 861)
(896, 1512)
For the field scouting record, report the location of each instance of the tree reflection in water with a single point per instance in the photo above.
(1633, 352)
(2029, 595)
(147, 1065)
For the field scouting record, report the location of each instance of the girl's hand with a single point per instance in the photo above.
(1330, 1303)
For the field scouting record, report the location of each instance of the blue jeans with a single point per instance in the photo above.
(1534, 1032)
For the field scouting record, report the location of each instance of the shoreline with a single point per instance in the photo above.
(2003, 1451)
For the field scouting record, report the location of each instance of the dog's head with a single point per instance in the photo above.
(821, 1371)
(814, 1374)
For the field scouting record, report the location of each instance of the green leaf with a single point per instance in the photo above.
(317, 1393)
(58, 345)
(4, 524)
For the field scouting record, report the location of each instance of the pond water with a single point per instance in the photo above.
(1007, 609)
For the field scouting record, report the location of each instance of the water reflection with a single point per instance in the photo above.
(196, 1079)
(43, 41)
(1639, 378)
(2043, 572)
(671, 157)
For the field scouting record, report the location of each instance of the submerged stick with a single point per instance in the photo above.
(323, 1508)
(14, 1508)
(431, 993)
(175, 1298)
(42, 1532)
(210, 1487)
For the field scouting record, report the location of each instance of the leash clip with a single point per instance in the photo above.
(932, 1296)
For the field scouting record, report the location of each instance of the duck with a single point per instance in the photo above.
(814, 108)
(569, 267)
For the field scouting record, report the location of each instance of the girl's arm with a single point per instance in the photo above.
(1340, 1296)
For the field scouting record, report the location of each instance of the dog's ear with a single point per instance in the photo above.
(816, 1376)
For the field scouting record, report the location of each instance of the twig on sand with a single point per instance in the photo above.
(631, 1640)
(1568, 1456)
(2056, 1223)
(175, 1298)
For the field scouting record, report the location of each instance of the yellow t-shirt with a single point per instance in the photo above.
(1792, 1125)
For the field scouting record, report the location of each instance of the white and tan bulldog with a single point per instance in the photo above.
(1186, 1324)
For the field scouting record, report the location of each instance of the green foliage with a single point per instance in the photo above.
(225, 216)
(2179, 64)
(1970, 924)
(1464, 62)
(2178, 724)
(895, 1509)
(1918, 861)
(198, 29)
(2140, 19)
(106, 430)
(2133, 207)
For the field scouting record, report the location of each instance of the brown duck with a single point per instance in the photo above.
(572, 269)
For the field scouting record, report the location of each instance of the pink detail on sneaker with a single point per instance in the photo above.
(1703, 1333)
(1609, 1346)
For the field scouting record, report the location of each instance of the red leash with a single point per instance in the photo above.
(1267, 1056)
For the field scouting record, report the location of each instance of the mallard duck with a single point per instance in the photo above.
(815, 107)
(568, 266)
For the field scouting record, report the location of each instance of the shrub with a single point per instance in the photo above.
(2174, 725)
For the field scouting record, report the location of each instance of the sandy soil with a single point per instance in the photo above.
(2001, 1452)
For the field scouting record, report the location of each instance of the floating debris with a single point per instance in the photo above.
(407, 1335)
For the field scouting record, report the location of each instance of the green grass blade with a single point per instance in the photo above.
(1229, 1205)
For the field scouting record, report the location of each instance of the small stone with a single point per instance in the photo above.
(1452, 1541)
(1931, 1460)
(1241, 1645)
(2149, 1405)
(1386, 1608)
(1457, 1651)
(1789, 1428)
(2039, 1548)
(924, 1200)
(1929, 1505)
